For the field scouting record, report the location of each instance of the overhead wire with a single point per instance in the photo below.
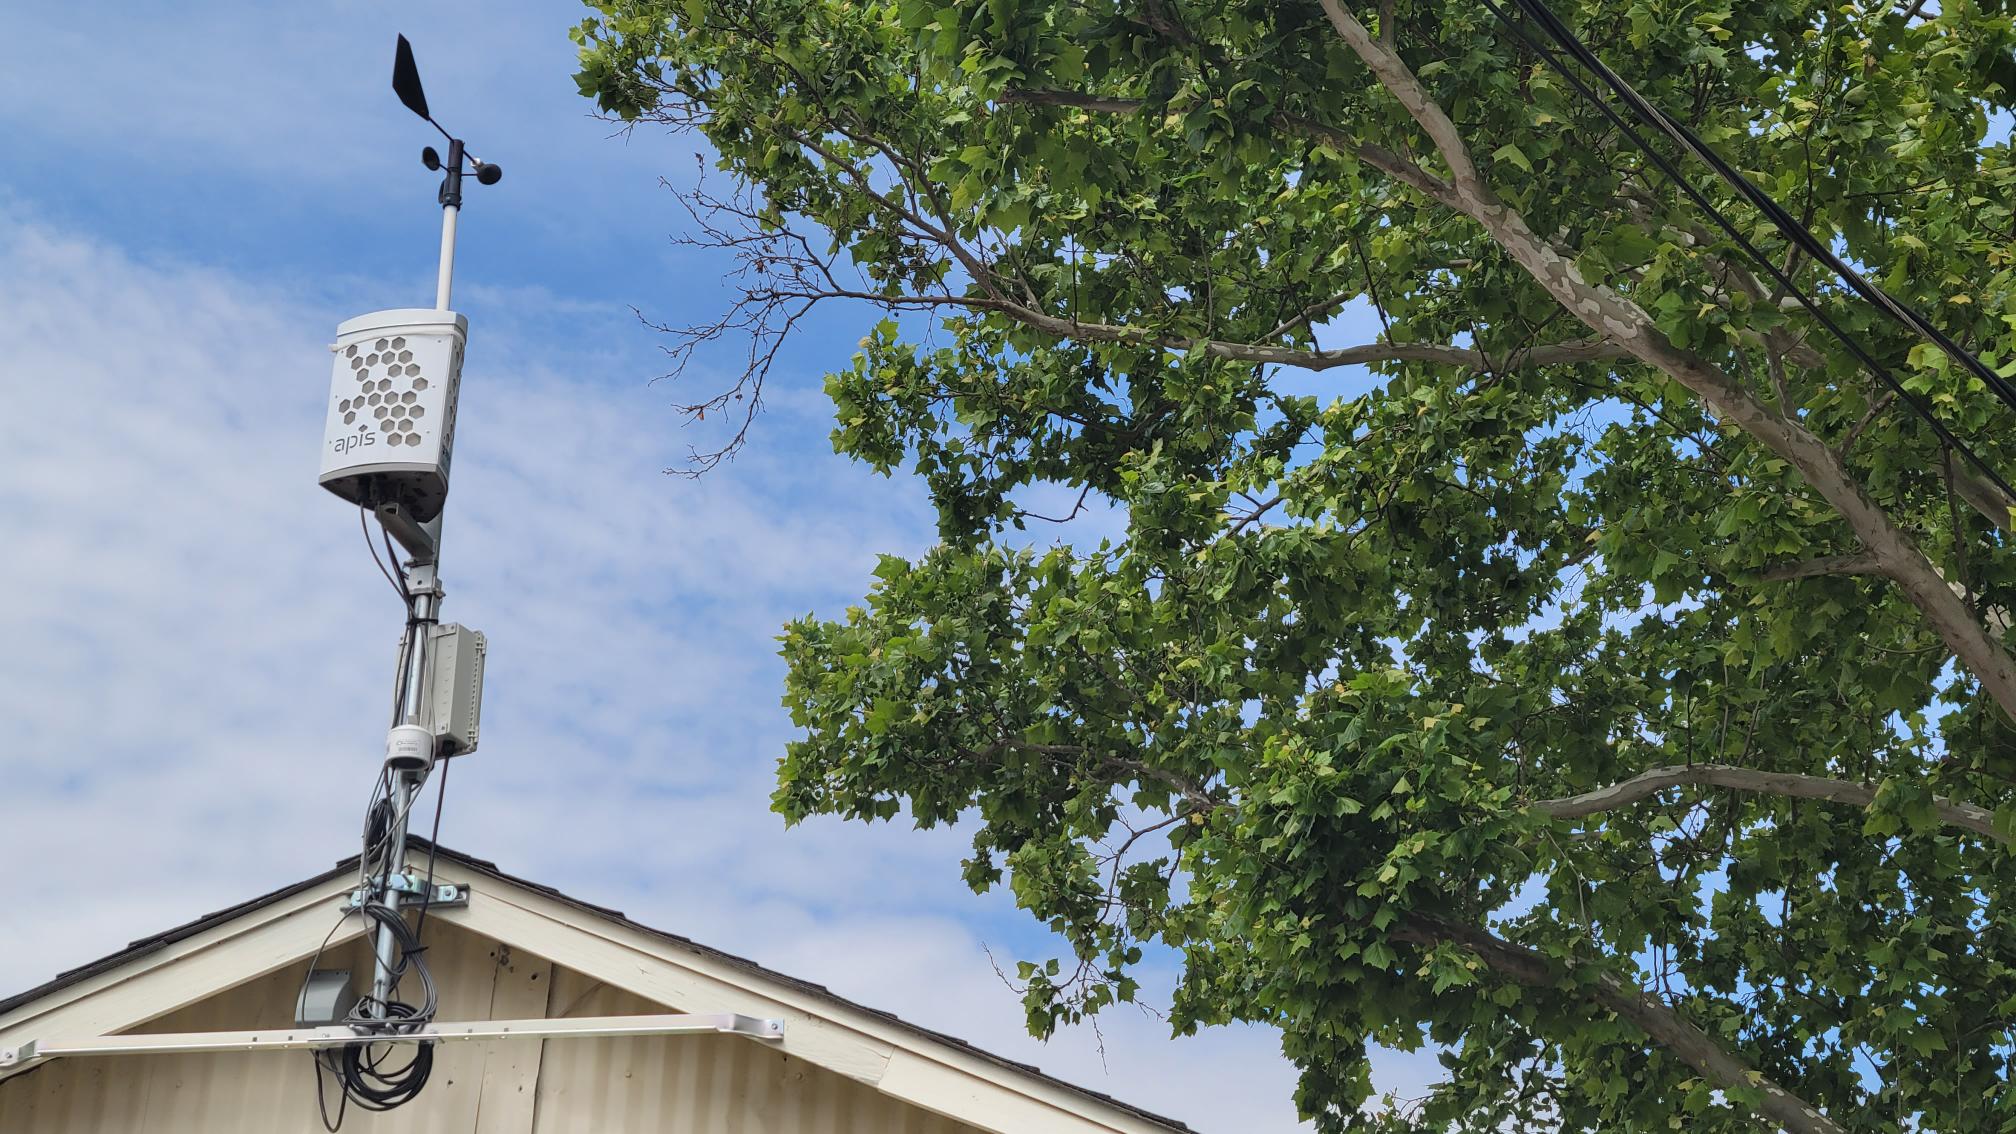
(1781, 276)
(1777, 214)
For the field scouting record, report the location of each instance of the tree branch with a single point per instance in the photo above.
(1550, 354)
(1967, 816)
(1855, 431)
(1993, 504)
(1620, 320)
(1688, 1043)
(1546, 354)
(1379, 157)
(1097, 103)
(1199, 798)
(1814, 568)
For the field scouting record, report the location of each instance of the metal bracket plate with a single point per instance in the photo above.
(444, 893)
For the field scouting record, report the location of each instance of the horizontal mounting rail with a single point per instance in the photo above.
(338, 1035)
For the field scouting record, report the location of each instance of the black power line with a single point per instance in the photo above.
(1772, 210)
(1649, 115)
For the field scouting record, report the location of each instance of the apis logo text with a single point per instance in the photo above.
(355, 440)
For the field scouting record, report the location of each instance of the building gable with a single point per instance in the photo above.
(702, 1084)
(522, 951)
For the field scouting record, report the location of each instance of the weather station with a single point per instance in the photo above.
(388, 446)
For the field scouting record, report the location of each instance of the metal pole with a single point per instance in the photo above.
(424, 591)
(412, 709)
(447, 271)
(405, 787)
(423, 585)
(451, 208)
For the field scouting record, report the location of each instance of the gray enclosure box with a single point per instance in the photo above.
(456, 687)
(325, 998)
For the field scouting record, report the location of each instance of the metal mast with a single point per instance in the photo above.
(410, 745)
(388, 444)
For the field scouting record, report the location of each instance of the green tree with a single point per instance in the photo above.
(1614, 693)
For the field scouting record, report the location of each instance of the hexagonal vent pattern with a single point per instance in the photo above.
(388, 384)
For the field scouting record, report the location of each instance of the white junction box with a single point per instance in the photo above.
(455, 665)
(390, 428)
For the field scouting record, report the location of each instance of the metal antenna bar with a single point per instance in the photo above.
(451, 208)
(336, 1035)
(445, 277)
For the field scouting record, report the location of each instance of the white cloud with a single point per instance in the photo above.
(199, 656)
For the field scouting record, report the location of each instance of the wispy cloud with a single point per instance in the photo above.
(200, 652)
(198, 658)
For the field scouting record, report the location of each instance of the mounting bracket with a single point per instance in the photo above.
(411, 533)
(444, 894)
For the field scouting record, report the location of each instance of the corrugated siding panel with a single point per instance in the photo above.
(699, 1084)
(256, 1092)
(645, 1085)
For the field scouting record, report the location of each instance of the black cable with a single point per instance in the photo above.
(377, 827)
(322, 1063)
(361, 1070)
(381, 818)
(371, 1085)
(366, 1079)
(409, 949)
(433, 846)
(405, 584)
(1779, 217)
(1666, 167)
(364, 526)
(326, 1063)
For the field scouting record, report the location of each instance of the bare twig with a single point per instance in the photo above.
(1252, 516)
(1876, 409)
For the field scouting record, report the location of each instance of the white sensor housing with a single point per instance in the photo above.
(390, 430)
(409, 748)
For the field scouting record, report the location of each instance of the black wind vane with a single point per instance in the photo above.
(406, 84)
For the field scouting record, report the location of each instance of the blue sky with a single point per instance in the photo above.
(199, 649)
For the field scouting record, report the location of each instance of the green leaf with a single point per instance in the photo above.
(1513, 155)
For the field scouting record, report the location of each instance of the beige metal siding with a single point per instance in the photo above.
(659, 1085)
(221, 1093)
(699, 1084)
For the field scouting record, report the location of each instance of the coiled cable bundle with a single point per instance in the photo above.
(372, 1075)
(378, 1076)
